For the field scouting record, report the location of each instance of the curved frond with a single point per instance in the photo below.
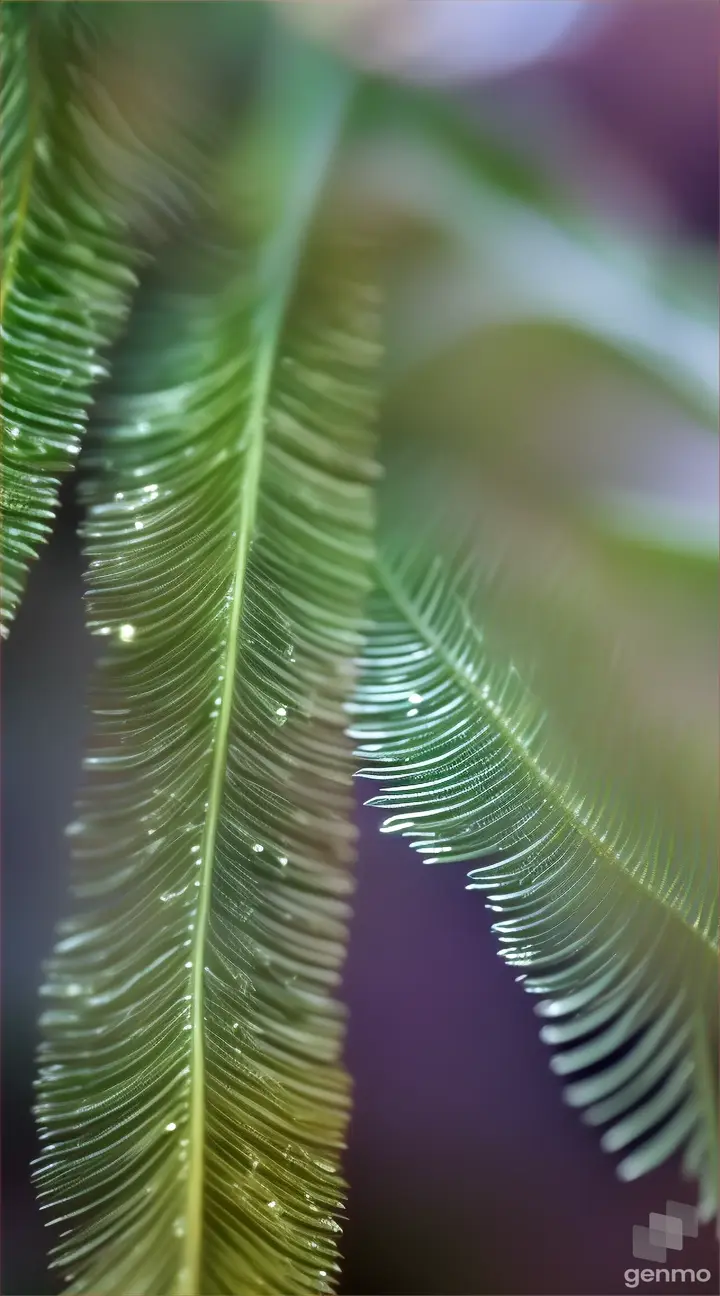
(610, 917)
(74, 177)
(191, 1097)
(518, 253)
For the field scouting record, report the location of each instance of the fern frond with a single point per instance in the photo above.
(612, 918)
(517, 252)
(74, 177)
(191, 1096)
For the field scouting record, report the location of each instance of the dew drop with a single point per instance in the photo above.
(194, 850)
(171, 1126)
(281, 711)
(218, 700)
(415, 698)
(173, 895)
(189, 963)
(14, 432)
(138, 526)
(272, 1204)
(257, 848)
(413, 711)
(283, 860)
(127, 632)
(178, 1228)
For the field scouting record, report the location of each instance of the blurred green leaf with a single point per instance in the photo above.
(542, 680)
(502, 249)
(92, 162)
(65, 280)
(605, 908)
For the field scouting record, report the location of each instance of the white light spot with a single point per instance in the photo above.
(171, 1126)
(283, 860)
(413, 711)
(272, 1203)
(415, 698)
(281, 711)
(189, 963)
(257, 848)
(127, 632)
(138, 526)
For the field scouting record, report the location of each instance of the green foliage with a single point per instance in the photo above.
(191, 1092)
(79, 178)
(65, 280)
(611, 916)
(509, 252)
(535, 696)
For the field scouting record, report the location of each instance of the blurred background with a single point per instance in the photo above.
(467, 1174)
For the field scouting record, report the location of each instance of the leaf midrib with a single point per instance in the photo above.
(527, 759)
(278, 273)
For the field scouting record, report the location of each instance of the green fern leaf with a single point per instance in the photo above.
(513, 252)
(611, 917)
(75, 178)
(191, 1099)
